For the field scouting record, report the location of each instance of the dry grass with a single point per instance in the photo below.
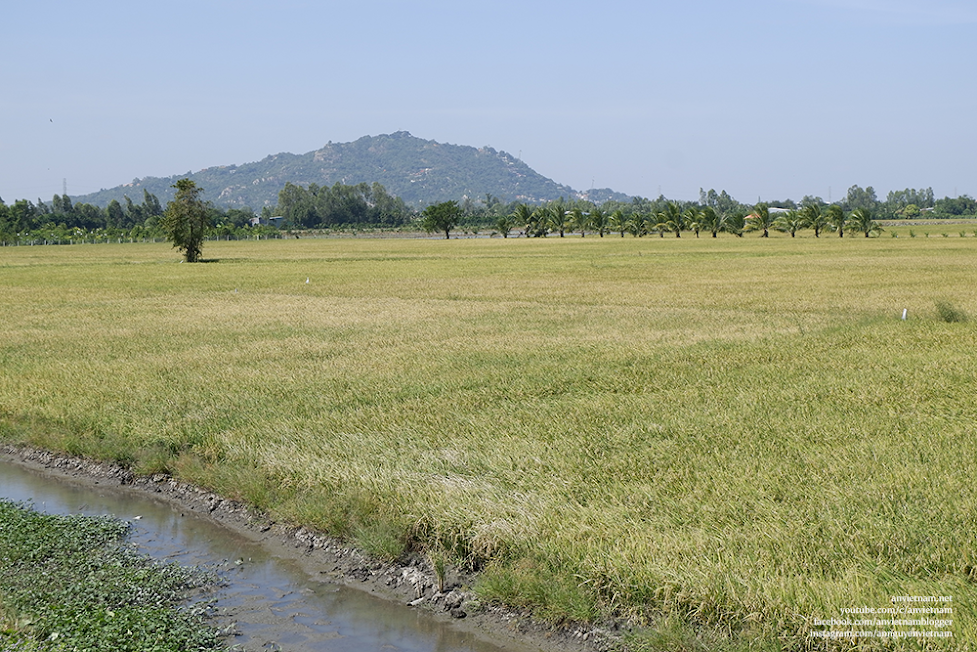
(735, 434)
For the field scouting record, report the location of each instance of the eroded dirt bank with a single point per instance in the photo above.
(410, 582)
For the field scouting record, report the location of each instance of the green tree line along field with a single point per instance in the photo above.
(721, 441)
(364, 206)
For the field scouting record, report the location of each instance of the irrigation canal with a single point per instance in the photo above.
(277, 605)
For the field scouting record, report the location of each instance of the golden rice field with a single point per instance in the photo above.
(722, 441)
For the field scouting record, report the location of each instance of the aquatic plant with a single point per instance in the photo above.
(70, 582)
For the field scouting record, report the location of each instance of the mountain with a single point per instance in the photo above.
(419, 171)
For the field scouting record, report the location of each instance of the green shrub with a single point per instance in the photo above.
(949, 313)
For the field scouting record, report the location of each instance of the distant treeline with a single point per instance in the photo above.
(714, 212)
(314, 207)
(898, 204)
(364, 205)
(339, 205)
(62, 221)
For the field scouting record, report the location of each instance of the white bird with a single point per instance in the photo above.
(306, 280)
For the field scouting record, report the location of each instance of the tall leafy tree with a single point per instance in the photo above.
(61, 205)
(910, 212)
(134, 213)
(861, 198)
(186, 220)
(962, 205)
(151, 204)
(22, 216)
(5, 228)
(297, 205)
(441, 217)
(343, 204)
(386, 209)
(115, 215)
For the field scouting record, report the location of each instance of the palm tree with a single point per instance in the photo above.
(692, 218)
(557, 217)
(735, 223)
(504, 224)
(709, 220)
(861, 219)
(789, 222)
(579, 220)
(522, 217)
(672, 219)
(837, 219)
(538, 224)
(618, 222)
(715, 221)
(814, 219)
(658, 223)
(637, 224)
(760, 219)
(598, 220)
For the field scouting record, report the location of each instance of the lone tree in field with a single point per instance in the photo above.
(186, 220)
(441, 217)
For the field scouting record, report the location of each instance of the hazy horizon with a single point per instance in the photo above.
(766, 99)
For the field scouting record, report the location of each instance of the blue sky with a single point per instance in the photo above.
(766, 99)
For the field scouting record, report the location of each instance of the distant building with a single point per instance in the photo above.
(276, 221)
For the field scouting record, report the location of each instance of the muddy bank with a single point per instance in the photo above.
(411, 582)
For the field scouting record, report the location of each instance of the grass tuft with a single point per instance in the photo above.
(950, 314)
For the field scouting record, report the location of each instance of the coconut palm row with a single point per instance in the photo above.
(558, 217)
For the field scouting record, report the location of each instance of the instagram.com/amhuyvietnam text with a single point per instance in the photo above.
(905, 617)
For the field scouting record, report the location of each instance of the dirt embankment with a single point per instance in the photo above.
(411, 582)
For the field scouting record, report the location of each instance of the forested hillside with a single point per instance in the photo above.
(421, 172)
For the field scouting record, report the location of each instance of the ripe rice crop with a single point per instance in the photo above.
(723, 441)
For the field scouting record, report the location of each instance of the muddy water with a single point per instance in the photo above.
(276, 605)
